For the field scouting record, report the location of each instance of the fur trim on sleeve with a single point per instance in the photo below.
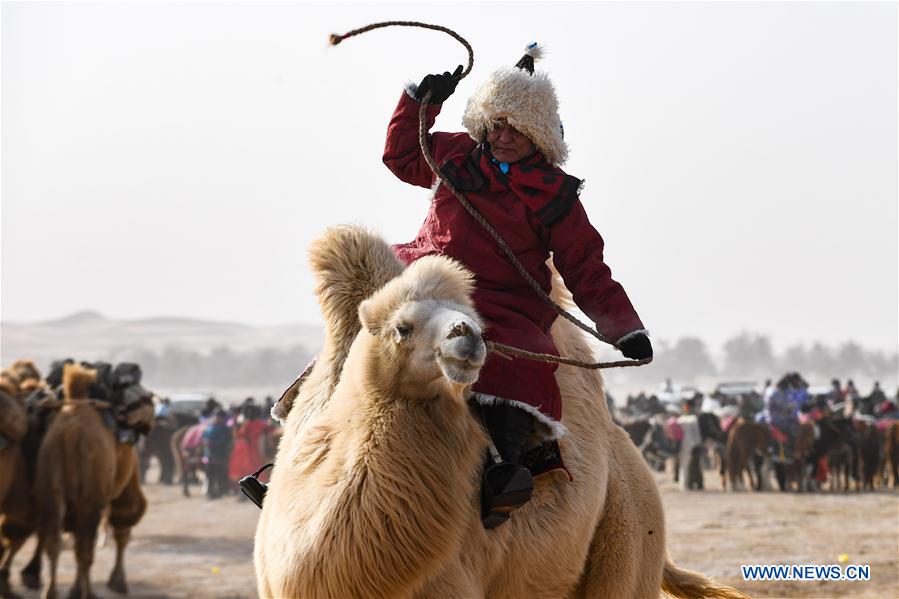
(631, 335)
(412, 90)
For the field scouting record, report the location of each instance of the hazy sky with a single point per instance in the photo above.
(178, 159)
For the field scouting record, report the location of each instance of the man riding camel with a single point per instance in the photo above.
(507, 165)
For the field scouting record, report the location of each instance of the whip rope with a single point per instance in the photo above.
(502, 349)
(336, 39)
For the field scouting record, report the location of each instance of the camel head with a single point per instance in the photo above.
(136, 410)
(428, 333)
(134, 403)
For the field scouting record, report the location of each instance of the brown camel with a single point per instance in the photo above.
(891, 452)
(17, 514)
(188, 460)
(13, 426)
(803, 446)
(840, 463)
(17, 523)
(181, 473)
(15, 383)
(746, 440)
(82, 471)
(374, 493)
(9, 383)
(869, 454)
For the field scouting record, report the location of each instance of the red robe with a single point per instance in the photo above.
(533, 228)
(246, 457)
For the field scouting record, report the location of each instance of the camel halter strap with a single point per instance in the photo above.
(54, 403)
(504, 350)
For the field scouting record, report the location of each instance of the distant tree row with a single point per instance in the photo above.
(752, 355)
(744, 355)
(221, 368)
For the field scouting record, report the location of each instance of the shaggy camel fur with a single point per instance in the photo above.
(374, 492)
(82, 471)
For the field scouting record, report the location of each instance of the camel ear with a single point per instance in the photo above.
(375, 312)
(369, 316)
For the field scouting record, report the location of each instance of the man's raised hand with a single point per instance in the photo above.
(440, 86)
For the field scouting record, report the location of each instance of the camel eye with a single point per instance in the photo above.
(402, 331)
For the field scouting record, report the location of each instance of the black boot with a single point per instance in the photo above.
(507, 485)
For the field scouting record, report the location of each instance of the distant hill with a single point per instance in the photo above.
(88, 335)
(185, 354)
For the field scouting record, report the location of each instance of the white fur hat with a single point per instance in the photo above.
(527, 100)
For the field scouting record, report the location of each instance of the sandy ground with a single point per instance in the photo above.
(199, 548)
(714, 532)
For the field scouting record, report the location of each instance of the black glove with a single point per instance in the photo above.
(636, 347)
(440, 86)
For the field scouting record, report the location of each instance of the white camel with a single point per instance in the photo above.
(375, 488)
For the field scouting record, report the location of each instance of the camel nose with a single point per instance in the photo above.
(460, 329)
(463, 342)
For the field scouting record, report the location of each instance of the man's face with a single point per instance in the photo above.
(507, 143)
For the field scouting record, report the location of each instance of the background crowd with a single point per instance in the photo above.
(226, 443)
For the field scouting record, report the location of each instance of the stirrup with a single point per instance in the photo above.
(253, 488)
(505, 488)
